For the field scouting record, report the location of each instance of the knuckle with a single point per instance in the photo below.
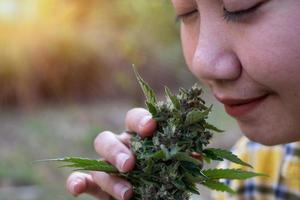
(102, 179)
(110, 183)
(102, 138)
(77, 176)
(125, 138)
(109, 146)
(112, 148)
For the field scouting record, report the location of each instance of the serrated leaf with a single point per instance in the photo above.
(172, 98)
(148, 91)
(221, 153)
(216, 185)
(196, 115)
(164, 163)
(86, 164)
(230, 174)
(212, 127)
(211, 155)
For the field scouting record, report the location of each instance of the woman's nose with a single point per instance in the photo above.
(214, 60)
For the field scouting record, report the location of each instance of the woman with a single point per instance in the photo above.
(248, 53)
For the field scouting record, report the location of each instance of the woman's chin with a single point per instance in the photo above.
(270, 137)
(262, 135)
(263, 140)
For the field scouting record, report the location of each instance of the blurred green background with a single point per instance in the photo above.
(65, 76)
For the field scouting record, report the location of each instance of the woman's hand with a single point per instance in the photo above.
(114, 149)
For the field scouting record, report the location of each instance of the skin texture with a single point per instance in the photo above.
(258, 54)
(242, 57)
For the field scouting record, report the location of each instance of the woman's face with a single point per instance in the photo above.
(248, 53)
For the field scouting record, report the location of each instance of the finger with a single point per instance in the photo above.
(140, 120)
(114, 151)
(79, 183)
(125, 138)
(113, 185)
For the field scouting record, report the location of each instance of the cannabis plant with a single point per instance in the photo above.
(170, 164)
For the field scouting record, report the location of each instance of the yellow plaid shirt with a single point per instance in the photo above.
(281, 163)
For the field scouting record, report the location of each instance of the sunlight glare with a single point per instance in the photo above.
(8, 9)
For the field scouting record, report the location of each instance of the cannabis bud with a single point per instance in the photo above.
(170, 163)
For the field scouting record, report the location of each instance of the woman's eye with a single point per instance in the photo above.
(187, 15)
(240, 15)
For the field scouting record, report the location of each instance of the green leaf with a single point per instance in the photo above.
(212, 127)
(206, 159)
(179, 184)
(196, 115)
(221, 153)
(211, 155)
(216, 185)
(148, 91)
(158, 155)
(186, 157)
(151, 108)
(192, 189)
(164, 163)
(149, 167)
(172, 98)
(230, 174)
(86, 164)
(193, 178)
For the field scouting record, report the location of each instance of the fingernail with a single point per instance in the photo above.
(121, 160)
(145, 120)
(121, 190)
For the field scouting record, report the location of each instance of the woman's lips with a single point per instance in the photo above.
(239, 107)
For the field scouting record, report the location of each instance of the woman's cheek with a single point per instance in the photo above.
(189, 40)
(275, 65)
(270, 49)
(188, 51)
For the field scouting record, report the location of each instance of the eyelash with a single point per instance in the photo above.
(185, 15)
(227, 16)
(238, 16)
